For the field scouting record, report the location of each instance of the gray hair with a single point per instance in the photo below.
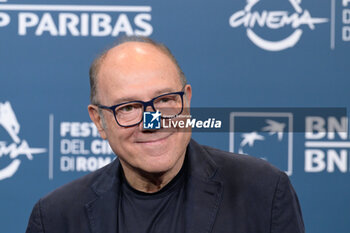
(96, 64)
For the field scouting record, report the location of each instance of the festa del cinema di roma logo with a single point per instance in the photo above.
(9, 123)
(274, 20)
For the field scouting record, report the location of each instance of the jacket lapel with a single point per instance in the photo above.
(102, 211)
(203, 195)
(204, 191)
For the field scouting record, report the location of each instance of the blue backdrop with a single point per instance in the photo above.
(235, 53)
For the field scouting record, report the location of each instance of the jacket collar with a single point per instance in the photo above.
(204, 190)
(203, 194)
(102, 211)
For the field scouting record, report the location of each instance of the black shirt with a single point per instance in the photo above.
(160, 212)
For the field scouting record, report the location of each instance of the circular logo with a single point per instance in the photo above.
(274, 20)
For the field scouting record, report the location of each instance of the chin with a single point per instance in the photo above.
(154, 170)
(159, 164)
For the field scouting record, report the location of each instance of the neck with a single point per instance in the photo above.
(150, 182)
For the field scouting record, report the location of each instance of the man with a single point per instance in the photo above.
(162, 181)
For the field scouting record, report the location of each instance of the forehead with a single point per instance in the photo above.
(134, 54)
(136, 66)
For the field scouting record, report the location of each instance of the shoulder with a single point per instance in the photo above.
(253, 189)
(242, 170)
(64, 209)
(242, 163)
(79, 191)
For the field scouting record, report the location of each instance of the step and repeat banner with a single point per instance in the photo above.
(277, 73)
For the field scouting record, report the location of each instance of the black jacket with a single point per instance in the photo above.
(225, 193)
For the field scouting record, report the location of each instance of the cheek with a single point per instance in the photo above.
(178, 143)
(120, 138)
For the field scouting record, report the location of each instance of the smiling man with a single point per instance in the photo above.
(139, 71)
(162, 181)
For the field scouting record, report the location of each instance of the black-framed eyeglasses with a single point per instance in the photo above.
(128, 114)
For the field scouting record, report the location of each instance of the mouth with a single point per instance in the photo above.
(155, 140)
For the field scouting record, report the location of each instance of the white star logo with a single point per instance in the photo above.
(155, 115)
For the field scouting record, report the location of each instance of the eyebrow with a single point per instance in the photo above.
(157, 93)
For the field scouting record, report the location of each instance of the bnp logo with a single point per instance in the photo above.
(151, 120)
(266, 135)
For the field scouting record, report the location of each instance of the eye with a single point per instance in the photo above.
(165, 99)
(127, 108)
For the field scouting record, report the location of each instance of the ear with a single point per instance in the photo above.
(96, 118)
(188, 95)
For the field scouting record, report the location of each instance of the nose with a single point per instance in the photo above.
(148, 106)
(149, 109)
